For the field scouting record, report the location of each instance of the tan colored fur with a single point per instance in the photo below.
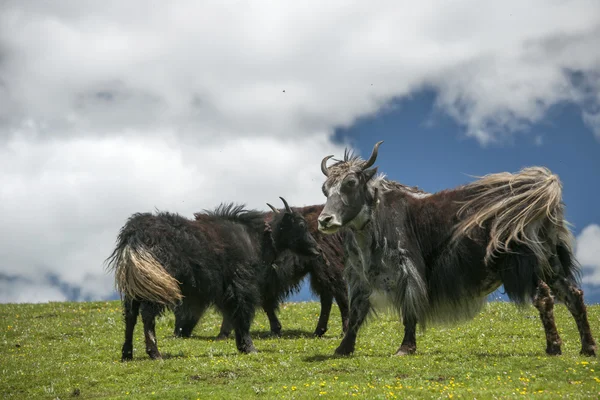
(140, 276)
(525, 207)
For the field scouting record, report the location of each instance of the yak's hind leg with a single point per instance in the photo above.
(565, 288)
(568, 292)
(149, 313)
(409, 343)
(131, 309)
(544, 302)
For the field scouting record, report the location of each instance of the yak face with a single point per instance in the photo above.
(347, 190)
(290, 231)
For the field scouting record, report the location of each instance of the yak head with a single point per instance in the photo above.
(290, 232)
(348, 191)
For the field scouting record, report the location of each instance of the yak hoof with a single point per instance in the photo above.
(343, 351)
(553, 350)
(222, 336)
(319, 332)
(588, 351)
(126, 357)
(155, 355)
(249, 350)
(405, 351)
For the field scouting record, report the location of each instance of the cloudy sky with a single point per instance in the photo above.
(115, 107)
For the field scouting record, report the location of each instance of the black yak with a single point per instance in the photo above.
(166, 260)
(326, 279)
(436, 257)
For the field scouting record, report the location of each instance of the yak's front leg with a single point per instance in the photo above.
(326, 304)
(226, 328)
(270, 307)
(409, 343)
(359, 309)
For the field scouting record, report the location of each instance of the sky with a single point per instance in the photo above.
(116, 107)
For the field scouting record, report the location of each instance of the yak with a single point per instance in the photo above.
(289, 269)
(434, 257)
(220, 258)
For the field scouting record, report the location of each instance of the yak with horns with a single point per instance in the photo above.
(436, 257)
(220, 258)
(289, 269)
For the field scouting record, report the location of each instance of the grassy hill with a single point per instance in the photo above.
(72, 350)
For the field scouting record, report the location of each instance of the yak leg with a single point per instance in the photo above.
(572, 296)
(326, 303)
(226, 328)
(239, 309)
(544, 302)
(269, 308)
(409, 343)
(186, 321)
(149, 313)
(341, 298)
(242, 319)
(359, 309)
(131, 309)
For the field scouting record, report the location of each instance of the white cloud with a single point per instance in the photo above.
(108, 108)
(588, 253)
(218, 68)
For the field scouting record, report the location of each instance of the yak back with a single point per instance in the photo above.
(212, 249)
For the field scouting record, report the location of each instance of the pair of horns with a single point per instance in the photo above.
(285, 203)
(368, 164)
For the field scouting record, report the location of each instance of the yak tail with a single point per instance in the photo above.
(519, 208)
(138, 275)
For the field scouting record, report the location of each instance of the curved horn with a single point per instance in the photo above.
(373, 157)
(324, 165)
(276, 211)
(287, 207)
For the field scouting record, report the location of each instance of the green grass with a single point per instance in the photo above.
(72, 350)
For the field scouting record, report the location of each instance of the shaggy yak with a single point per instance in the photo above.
(436, 257)
(166, 260)
(326, 279)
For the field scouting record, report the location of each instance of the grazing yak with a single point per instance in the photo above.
(326, 279)
(220, 258)
(436, 257)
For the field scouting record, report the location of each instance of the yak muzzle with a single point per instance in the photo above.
(328, 224)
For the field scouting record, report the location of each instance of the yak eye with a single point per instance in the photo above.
(351, 183)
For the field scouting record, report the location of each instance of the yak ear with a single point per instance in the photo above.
(370, 173)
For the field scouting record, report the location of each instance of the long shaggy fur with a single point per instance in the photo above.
(523, 208)
(140, 276)
(187, 265)
(437, 256)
